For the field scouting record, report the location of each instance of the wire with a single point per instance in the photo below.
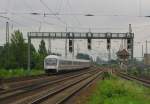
(58, 18)
(72, 15)
(4, 17)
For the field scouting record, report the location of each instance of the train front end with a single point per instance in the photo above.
(51, 64)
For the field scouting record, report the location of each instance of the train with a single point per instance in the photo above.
(56, 64)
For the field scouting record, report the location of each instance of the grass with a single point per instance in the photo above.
(117, 91)
(19, 73)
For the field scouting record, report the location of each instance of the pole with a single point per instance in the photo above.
(77, 48)
(132, 48)
(132, 41)
(7, 41)
(146, 51)
(109, 55)
(66, 43)
(7, 32)
(49, 40)
(142, 51)
(29, 53)
(73, 47)
(109, 60)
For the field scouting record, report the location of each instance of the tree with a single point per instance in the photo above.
(1, 49)
(14, 55)
(42, 52)
(42, 48)
(7, 59)
(19, 49)
(33, 56)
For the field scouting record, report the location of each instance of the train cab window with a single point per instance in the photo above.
(51, 61)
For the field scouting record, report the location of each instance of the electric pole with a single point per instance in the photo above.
(78, 48)
(73, 48)
(49, 45)
(146, 51)
(66, 43)
(7, 42)
(142, 51)
(7, 32)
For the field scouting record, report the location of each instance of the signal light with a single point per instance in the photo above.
(89, 47)
(70, 49)
(108, 41)
(70, 46)
(70, 42)
(129, 47)
(128, 41)
(108, 44)
(89, 43)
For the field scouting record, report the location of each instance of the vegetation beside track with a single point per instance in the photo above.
(113, 90)
(19, 73)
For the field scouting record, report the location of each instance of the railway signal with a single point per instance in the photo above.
(128, 43)
(108, 43)
(70, 45)
(89, 43)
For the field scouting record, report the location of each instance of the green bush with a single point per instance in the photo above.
(19, 73)
(116, 91)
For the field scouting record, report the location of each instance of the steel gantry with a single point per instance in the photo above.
(78, 35)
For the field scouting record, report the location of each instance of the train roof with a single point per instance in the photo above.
(64, 58)
(52, 56)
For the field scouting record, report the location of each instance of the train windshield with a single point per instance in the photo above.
(51, 61)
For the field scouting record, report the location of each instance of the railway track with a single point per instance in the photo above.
(128, 77)
(63, 94)
(25, 95)
(35, 82)
(24, 82)
(20, 82)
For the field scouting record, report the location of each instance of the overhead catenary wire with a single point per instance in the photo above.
(58, 18)
(77, 27)
(75, 14)
(69, 5)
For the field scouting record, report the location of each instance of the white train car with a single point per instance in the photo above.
(55, 64)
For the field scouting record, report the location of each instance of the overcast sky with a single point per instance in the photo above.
(109, 16)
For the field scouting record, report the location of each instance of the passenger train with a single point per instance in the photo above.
(55, 64)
